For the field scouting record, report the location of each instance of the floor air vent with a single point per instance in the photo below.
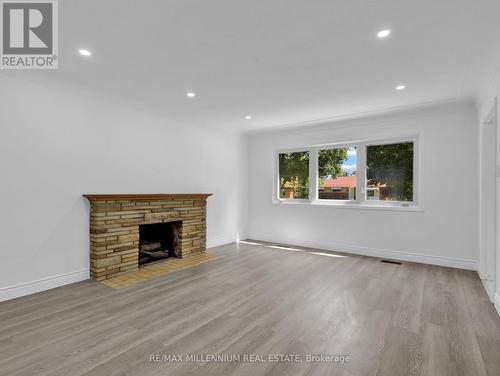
(391, 262)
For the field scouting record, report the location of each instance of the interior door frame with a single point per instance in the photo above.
(489, 258)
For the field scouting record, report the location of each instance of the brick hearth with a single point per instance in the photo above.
(114, 227)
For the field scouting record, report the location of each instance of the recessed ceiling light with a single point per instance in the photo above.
(84, 52)
(248, 117)
(400, 87)
(191, 94)
(383, 33)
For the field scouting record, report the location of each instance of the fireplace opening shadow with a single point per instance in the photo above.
(158, 241)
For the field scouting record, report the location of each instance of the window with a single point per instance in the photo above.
(389, 172)
(337, 173)
(294, 175)
(357, 173)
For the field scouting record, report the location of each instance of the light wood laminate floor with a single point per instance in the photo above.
(408, 319)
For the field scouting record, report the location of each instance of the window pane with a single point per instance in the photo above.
(337, 174)
(294, 175)
(389, 172)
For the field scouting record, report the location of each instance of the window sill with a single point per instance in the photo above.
(349, 205)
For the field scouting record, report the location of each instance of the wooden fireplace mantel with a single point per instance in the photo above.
(145, 196)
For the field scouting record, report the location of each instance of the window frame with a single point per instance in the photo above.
(361, 201)
(276, 191)
(328, 201)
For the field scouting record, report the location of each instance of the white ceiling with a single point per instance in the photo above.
(282, 61)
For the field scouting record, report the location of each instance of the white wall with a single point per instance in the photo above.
(489, 95)
(444, 233)
(58, 142)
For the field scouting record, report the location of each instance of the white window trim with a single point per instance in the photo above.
(360, 202)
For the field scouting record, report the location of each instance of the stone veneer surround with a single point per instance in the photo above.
(114, 227)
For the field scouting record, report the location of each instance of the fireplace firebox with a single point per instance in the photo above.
(158, 241)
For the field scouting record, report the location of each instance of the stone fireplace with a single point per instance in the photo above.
(127, 231)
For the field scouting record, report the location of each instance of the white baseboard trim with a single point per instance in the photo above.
(28, 288)
(497, 303)
(379, 253)
(488, 290)
(486, 285)
(220, 241)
